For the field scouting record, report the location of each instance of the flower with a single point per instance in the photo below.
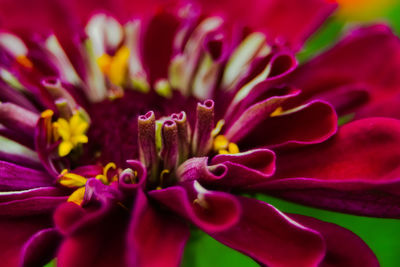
(119, 138)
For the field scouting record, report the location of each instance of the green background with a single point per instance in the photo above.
(382, 235)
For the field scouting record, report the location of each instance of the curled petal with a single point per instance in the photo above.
(272, 238)
(210, 210)
(153, 230)
(133, 178)
(230, 171)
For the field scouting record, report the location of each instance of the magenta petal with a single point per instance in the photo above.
(343, 248)
(15, 232)
(127, 176)
(41, 248)
(289, 22)
(35, 192)
(14, 177)
(209, 210)
(345, 64)
(312, 123)
(30, 206)
(271, 238)
(97, 242)
(18, 118)
(357, 171)
(151, 231)
(157, 45)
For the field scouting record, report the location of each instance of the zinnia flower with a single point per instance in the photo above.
(130, 123)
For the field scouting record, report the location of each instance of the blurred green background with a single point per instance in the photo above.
(382, 235)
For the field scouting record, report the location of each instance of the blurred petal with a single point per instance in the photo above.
(15, 177)
(16, 232)
(151, 232)
(41, 248)
(289, 22)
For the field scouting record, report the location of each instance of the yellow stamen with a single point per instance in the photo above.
(220, 143)
(223, 146)
(233, 148)
(278, 111)
(24, 61)
(115, 67)
(77, 196)
(72, 133)
(69, 179)
(103, 177)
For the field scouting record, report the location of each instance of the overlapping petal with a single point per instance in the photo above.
(356, 171)
(366, 60)
(287, 22)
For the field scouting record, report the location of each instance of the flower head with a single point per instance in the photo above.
(145, 124)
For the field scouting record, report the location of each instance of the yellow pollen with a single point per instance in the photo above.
(77, 196)
(24, 61)
(278, 111)
(115, 67)
(71, 180)
(103, 177)
(223, 146)
(72, 133)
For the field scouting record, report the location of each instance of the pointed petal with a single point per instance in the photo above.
(271, 238)
(153, 230)
(41, 248)
(343, 248)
